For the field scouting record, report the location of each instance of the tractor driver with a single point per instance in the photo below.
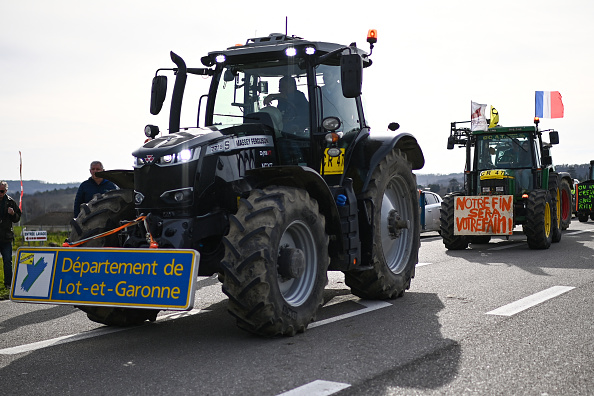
(292, 103)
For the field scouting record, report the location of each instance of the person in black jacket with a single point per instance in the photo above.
(93, 185)
(9, 213)
(293, 105)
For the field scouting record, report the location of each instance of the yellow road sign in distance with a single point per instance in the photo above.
(134, 278)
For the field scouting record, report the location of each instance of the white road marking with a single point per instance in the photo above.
(88, 334)
(530, 301)
(317, 388)
(422, 264)
(370, 305)
(508, 246)
(572, 233)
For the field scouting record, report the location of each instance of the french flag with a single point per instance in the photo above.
(548, 104)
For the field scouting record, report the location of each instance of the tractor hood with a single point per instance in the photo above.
(185, 146)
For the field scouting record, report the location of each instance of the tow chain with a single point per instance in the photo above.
(107, 233)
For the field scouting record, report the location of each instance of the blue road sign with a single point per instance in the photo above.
(133, 278)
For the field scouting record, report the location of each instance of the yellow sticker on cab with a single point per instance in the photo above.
(333, 165)
(493, 174)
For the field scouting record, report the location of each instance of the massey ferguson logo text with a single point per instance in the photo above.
(239, 143)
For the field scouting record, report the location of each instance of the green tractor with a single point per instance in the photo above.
(509, 180)
(584, 197)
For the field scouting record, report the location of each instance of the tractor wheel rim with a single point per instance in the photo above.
(296, 291)
(396, 248)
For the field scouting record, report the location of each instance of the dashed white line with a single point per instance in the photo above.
(530, 301)
(370, 305)
(508, 246)
(88, 334)
(572, 233)
(317, 388)
(422, 264)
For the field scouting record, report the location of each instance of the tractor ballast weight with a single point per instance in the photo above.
(509, 180)
(271, 196)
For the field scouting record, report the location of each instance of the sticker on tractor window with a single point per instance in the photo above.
(333, 165)
(484, 215)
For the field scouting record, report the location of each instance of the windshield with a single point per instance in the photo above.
(505, 151)
(268, 93)
(335, 104)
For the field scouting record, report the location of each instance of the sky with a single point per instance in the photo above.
(76, 75)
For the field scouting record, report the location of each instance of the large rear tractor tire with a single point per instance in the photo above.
(539, 219)
(566, 204)
(276, 259)
(396, 231)
(451, 241)
(103, 213)
(555, 191)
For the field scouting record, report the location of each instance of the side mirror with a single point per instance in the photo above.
(554, 137)
(451, 143)
(158, 93)
(351, 75)
(547, 160)
(228, 76)
(393, 126)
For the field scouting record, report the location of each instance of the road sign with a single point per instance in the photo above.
(32, 236)
(484, 215)
(133, 278)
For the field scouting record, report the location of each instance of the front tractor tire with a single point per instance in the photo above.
(103, 213)
(540, 217)
(276, 261)
(447, 224)
(393, 198)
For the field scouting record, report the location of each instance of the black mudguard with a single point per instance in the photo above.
(370, 150)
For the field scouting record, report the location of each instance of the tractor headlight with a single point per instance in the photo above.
(182, 195)
(185, 155)
(181, 157)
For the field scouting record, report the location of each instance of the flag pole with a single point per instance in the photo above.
(21, 173)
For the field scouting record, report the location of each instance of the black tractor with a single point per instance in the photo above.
(278, 183)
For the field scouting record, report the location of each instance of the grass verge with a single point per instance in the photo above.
(53, 239)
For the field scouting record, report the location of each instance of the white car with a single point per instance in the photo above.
(432, 211)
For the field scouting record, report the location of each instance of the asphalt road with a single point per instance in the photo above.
(493, 319)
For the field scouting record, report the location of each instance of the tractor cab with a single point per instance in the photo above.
(304, 96)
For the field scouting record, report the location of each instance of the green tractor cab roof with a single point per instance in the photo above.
(499, 129)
